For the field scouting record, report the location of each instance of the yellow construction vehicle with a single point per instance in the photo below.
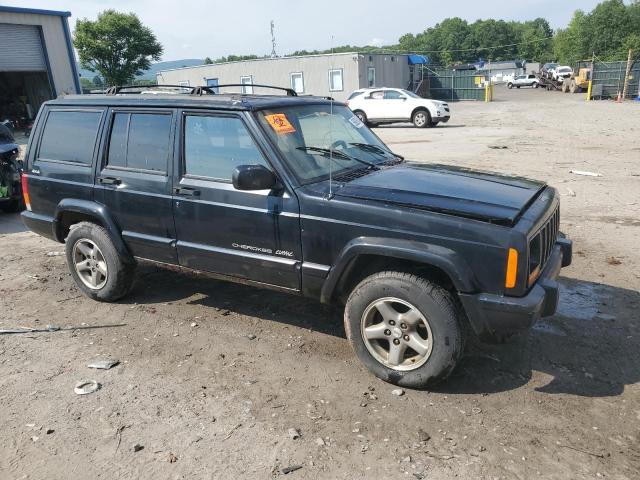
(577, 83)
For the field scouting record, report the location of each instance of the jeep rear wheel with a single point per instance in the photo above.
(404, 328)
(95, 265)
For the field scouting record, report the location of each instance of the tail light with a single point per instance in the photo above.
(25, 193)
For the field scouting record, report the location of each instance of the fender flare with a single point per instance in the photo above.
(95, 210)
(443, 258)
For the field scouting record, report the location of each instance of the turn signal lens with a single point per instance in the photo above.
(25, 193)
(512, 268)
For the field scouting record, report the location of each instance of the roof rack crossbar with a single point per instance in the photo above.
(116, 89)
(290, 91)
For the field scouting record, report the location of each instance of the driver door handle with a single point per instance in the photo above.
(186, 191)
(109, 180)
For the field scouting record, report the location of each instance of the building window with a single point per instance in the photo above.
(371, 58)
(247, 82)
(213, 84)
(297, 82)
(335, 80)
(371, 77)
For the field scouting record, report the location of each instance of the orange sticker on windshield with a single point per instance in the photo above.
(280, 123)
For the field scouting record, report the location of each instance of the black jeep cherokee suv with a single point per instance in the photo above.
(297, 194)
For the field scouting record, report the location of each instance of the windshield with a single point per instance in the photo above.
(308, 135)
(564, 69)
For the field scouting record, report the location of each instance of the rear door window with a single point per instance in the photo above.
(70, 136)
(140, 141)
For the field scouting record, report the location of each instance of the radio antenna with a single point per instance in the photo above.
(273, 40)
(331, 129)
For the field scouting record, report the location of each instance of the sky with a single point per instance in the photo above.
(200, 28)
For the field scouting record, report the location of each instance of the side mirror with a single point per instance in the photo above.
(253, 177)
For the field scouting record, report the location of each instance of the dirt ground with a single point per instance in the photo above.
(212, 375)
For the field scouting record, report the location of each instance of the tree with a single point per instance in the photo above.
(117, 45)
(208, 61)
(608, 31)
(535, 41)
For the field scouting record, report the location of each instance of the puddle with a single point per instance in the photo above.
(581, 301)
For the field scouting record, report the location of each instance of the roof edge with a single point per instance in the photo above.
(279, 58)
(34, 11)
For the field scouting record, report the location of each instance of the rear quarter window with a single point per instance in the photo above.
(70, 136)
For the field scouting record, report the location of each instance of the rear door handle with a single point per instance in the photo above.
(187, 192)
(109, 180)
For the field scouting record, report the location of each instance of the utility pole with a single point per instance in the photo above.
(273, 40)
(627, 74)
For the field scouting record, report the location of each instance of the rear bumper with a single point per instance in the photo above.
(40, 224)
(495, 316)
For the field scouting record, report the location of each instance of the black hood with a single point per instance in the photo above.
(453, 190)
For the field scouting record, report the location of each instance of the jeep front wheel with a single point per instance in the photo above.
(95, 265)
(404, 328)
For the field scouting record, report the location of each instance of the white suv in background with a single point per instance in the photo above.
(375, 106)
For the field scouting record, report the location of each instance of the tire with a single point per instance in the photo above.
(422, 118)
(113, 275)
(361, 115)
(437, 328)
(535, 85)
(518, 87)
(509, 86)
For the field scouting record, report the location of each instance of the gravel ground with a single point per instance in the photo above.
(213, 376)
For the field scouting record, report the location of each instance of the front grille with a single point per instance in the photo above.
(541, 245)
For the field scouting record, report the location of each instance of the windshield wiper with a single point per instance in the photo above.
(375, 149)
(327, 152)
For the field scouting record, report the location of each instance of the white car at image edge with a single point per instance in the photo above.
(375, 106)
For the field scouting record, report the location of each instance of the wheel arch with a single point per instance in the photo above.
(72, 211)
(419, 108)
(365, 255)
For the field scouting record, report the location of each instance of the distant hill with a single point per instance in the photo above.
(155, 67)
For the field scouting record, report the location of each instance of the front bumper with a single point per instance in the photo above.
(443, 118)
(494, 316)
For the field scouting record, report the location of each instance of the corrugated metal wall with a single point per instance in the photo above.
(454, 85)
(611, 76)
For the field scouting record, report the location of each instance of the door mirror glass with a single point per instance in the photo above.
(253, 177)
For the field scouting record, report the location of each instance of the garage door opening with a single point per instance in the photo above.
(21, 94)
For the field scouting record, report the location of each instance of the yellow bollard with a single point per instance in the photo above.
(589, 91)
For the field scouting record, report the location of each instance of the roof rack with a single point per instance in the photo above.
(197, 90)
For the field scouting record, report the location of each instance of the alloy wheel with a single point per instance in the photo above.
(396, 334)
(90, 264)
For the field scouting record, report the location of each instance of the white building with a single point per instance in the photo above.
(334, 75)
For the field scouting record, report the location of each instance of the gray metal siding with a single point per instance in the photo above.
(21, 49)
